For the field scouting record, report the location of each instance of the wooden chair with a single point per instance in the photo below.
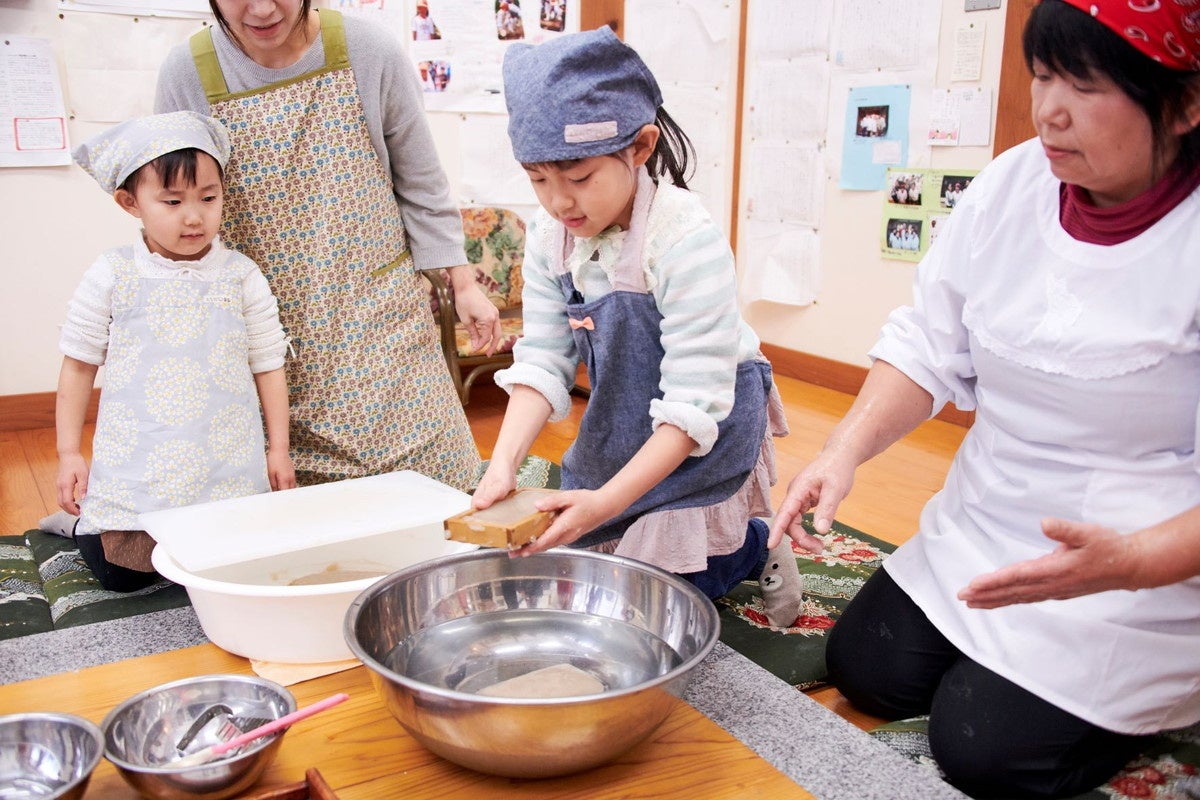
(495, 243)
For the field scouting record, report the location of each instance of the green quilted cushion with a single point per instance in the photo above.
(23, 605)
(797, 654)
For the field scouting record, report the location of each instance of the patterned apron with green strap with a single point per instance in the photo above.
(308, 199)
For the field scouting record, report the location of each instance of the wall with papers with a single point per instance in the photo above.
(832, 94)
(843, 99)
(103, 58)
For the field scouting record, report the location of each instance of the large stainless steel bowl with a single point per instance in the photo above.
(436, 633)
(141, 735)
(47, 755)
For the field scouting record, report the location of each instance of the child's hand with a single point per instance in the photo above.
(580, 511)
(496, 484)
(280, 471)
(72, 482)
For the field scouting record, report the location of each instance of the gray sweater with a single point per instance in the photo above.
(395, 113)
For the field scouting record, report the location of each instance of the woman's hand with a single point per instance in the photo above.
(72, 481)
(820, 487)
(889, 406)
(1090, 558)
(478, 315)
(580, 511)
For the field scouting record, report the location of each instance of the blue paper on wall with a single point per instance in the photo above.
(876, 135)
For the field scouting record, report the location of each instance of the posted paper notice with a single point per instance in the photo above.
(33, 121)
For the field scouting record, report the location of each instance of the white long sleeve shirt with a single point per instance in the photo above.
(85, 333)
(1083, 362)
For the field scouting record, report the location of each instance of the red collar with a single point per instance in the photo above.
(1122, 222)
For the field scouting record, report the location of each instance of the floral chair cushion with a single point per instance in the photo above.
(495, 243)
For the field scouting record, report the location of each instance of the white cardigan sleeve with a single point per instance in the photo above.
(265, 336)
(85, 332)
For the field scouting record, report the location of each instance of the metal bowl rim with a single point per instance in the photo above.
(681, 670)
(254, 748)
(88, 727)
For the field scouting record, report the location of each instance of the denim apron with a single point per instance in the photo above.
(179, 420)
(618, 339)
(309, 200)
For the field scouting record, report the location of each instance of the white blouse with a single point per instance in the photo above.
(1083, 362)
(85, 333)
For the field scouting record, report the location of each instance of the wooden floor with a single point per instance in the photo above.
(886, 500)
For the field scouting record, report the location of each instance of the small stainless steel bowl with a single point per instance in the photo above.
(141, 734)
(436, 633)
(47, 755)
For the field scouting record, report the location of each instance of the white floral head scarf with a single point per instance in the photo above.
(114, 155)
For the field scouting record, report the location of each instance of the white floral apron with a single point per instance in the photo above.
(309, 200)
(179, 422)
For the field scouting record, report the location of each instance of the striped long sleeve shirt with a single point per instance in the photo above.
(689, 268)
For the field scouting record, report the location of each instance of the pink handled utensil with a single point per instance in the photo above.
(213, 751)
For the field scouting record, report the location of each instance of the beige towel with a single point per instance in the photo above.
(287, 674)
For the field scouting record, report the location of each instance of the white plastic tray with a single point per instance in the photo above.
(225, 532)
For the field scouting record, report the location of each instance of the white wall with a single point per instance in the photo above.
(54, 221)
(859, 287)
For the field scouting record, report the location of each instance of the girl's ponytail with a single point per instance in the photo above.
(674, 152)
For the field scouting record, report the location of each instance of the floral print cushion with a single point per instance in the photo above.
(1167, 769)
(796, 654)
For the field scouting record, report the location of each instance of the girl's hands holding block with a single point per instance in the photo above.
(496, 484)
(578, 512)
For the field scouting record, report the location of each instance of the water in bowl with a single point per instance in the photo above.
(473, 652)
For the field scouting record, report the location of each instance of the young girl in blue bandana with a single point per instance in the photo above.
(628, 273)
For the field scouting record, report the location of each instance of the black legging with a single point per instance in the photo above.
(991, 738)
(112, 577)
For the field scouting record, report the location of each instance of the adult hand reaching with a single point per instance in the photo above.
(820, 487)
(1090, 558)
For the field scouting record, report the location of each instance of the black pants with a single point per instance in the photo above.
(112, 577)
(991, 738)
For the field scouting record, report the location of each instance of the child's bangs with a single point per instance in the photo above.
(177, 168)
(558, 166)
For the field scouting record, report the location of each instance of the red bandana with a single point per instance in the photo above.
(1166, 30)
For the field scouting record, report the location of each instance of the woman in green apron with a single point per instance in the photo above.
(335, 189)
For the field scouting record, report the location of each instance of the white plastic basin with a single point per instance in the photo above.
(251, 609)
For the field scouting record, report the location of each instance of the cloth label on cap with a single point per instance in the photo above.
(590, 132)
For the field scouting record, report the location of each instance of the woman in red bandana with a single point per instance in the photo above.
(1061, 301)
